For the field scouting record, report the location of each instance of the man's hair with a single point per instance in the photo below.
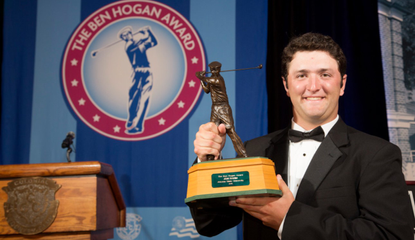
(313, 42)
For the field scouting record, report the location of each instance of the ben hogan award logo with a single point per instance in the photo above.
(128, 70)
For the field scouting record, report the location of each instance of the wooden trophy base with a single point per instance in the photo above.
(212, 183)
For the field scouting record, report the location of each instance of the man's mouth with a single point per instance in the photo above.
(313, 98)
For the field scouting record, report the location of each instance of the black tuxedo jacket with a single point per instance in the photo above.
(353, 189)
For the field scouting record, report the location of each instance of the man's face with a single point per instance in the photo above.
(313, 84)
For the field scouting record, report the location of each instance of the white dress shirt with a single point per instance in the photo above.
(299, 157)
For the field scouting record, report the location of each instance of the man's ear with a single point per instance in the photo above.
(343, 84)
(285, 83)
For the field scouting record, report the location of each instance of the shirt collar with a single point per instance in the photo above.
(326, 127)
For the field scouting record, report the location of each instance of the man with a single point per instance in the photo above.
(221, 111)
(142, 77)
(348, 186)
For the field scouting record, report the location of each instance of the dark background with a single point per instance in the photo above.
(354, 26)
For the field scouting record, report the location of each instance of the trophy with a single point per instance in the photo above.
(211, 183)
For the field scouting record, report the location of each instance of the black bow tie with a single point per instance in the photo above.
(296, 136)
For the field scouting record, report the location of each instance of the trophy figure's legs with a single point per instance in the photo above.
(237, 142)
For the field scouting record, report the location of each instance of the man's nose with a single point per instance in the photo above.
(313, 83)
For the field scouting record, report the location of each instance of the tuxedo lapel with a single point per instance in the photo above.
(323, 160)
(278, 152)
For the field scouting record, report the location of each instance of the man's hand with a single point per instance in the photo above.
(270, 210)
(200, 74)
(210, 140)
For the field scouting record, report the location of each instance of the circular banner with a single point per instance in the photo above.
(128, 71)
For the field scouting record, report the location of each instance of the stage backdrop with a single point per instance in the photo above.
(67, 68)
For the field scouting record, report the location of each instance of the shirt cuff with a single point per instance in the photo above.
(281, 227)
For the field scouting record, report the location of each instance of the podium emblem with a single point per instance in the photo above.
(31, 206)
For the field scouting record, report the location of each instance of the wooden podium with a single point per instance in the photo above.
(90, 201)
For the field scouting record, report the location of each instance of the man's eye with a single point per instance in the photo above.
(301, 76)
(326, 75)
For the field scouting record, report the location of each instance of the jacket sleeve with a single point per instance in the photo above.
(212, 221)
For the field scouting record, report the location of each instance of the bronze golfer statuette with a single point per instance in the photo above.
(221, 110)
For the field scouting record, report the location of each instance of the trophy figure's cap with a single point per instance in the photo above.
(215, 65)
